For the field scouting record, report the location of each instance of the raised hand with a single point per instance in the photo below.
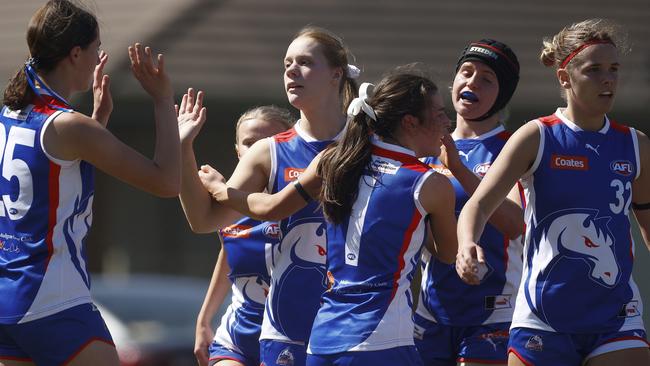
(102, 99)
(152, 77)
(191, 115)
(214, 182)
(449, 153)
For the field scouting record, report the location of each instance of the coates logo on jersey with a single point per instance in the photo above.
(622, 167)
(565, 162)
(481, 169)
(272, 230)
(291, 174)
(236, 231)
(439, 168)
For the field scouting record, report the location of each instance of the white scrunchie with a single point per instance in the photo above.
(353, 72)
(359, 104)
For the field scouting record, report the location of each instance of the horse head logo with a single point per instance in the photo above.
(583, 235)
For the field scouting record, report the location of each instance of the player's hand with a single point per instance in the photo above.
(470, 263)
(102, 100)
(449, 156)
(202, 340)
(152, 77)
(214, 182)
(191, 116)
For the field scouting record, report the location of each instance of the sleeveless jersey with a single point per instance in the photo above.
(298, 279)
(444, 297)
(45, 214)
(372, 258)
(579, 250)
(248, 245)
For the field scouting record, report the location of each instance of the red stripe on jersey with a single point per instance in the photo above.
(504, 135)
(12, 358)
(627, 338)
(520, 357)
(53, 184)
(408, 161)
(83, 346)
(479, 361)
(619, 127)
(286, 135)
(405, 244)
(550, 120)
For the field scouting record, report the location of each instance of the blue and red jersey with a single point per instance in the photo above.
(579, 249)
(299, 278)
(444, 297)
(248, 245)
(45, 214)
(372, 258)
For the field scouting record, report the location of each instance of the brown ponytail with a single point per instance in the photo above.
(343, 165)
(54, 30)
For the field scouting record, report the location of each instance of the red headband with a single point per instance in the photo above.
(577, 50)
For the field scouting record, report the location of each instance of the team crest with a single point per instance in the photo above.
(535, 343)
(285, 358)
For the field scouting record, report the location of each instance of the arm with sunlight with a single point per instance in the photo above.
(263, 206)
(514, 160)
(508, 218)
(438, 199)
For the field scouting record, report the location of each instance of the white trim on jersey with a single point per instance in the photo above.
(416, 192)
(274, 164)
(635, 143)
(559, 113)
(309, 138)
(356, 221)
(62, 286)
(540, 151)
(46, 124)
(495, 131)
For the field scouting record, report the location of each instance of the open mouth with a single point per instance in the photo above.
(608, 94)
(293, 86)
(469, 96)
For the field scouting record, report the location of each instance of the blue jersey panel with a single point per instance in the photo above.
(298, 279)
(249, 248)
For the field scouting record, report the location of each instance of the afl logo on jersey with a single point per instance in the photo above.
(272, 230)
(622, 167)
(565, 162)
(481, 169)
(291, 174)
(236, 231)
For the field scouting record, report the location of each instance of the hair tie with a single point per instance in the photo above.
(359, 104)
(579, 49)
(31, 62)
(352, 71)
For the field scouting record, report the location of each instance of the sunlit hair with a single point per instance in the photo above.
(555, 50)
(268, 113)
